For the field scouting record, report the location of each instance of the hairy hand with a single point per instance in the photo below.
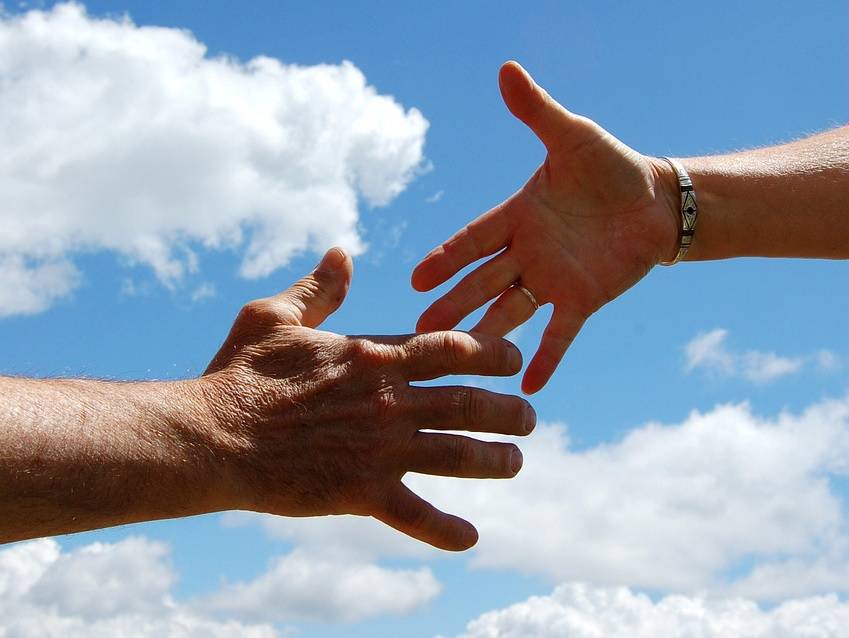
(589, 224)
(315, 423)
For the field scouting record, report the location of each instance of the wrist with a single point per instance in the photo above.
(205, 449)
(223, 425)
(667, 193)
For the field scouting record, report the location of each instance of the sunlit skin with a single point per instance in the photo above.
(288, 419)
(597, 216)
(588, 224)
(295, 421)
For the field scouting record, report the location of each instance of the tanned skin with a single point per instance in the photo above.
(287, 419)
(597, 216)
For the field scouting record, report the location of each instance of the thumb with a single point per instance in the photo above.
(529, 102)
(313, 298)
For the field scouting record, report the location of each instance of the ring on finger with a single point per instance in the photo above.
(528, 294)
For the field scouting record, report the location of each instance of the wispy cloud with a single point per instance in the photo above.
(708, 352)
(204, 291)
(433, 199)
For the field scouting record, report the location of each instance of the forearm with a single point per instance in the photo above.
(784, 201)
(78, 455)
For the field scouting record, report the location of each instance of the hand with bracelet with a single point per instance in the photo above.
(597, 216)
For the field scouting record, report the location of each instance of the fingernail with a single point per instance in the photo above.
(516, 461)
(530, 418)
(332, 261)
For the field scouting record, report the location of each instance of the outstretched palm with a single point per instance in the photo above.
(589, 224)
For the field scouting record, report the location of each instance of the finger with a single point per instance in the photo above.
(485, 236)
(472, 409)
(529, 102)
(311, 299)
(462, 457)
(556, 338)
(435, 354)
(474, 290)
(510, 310)
(409, 513)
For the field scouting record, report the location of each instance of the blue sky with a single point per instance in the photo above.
(666, 78)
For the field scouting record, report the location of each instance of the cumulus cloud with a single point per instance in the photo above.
(708, 351)
(133, 140)
(580, 611)
(124, 588)
(29, 287)
(321, 586)
(99, 591)
(726, 501)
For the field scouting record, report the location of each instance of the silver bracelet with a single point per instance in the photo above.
(689, 210)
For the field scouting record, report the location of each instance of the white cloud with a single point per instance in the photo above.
(99, 591)
(322, 586)
(435, 198)
(102, 580)
(131, 139)
(204, 291)
(763, 367)
(675, 508)
(124, 588)
(708, 504)
(27, 288)
(709, 352)
(579, 611)
(23, 565)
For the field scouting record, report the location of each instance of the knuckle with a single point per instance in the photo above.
(368, 353)
(418, 517)
(358, 349)
(258, 311)
(319, 287)
(473, 406)
(448, 347)
(454, 245)
(455, 347)
(461, 455)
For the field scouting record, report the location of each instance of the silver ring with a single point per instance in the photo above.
(528, 294)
